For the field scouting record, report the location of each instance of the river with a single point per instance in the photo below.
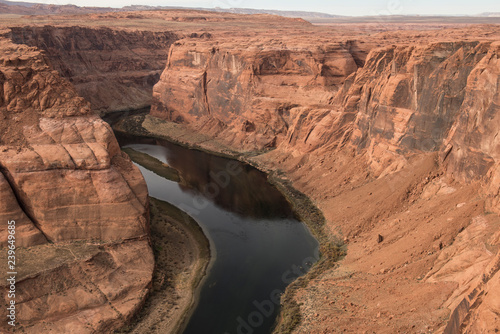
(258, 246)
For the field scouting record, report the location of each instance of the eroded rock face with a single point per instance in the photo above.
(80, 206)
(473, 143)
(112, 69)
(439, 97)
(408, 101)
(27, 233)
(409, 98)
(249, 94)
(405, 146)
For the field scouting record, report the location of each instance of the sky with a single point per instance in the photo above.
(339, 7)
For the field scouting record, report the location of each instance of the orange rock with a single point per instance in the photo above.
(63, 179)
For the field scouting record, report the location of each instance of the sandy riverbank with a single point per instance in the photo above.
(182, 254)
(304, 208)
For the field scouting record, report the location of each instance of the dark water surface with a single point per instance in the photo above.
(258, 247)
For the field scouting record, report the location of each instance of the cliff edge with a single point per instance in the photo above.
(84, 263)
(398, 146)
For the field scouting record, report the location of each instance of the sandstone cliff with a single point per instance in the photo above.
(401, 144)
(83, 260)
(114, 66)
(112, 69)
(250, 94)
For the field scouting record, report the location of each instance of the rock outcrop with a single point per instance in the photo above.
(84, 262)
(410, 101)
(113, 69)
(116, 68)
(250, 94)
(401, 143)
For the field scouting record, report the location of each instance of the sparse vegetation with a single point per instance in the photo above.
(173, 235)
(153, 164)
(308, 213)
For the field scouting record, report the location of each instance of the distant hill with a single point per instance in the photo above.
(408, 19)
(31, 8)
(491, 14)
(26, 8)
(18, 3)
(286, 13)
(248, 11)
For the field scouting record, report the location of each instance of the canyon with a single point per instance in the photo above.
(399, 131)
(393, 134)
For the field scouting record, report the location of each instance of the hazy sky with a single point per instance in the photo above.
(341, 7)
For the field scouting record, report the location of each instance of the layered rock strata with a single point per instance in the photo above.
(249, 95)
(399, 150)
(84, 262)
(113, 69)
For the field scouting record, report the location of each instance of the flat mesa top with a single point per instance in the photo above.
(272, 29)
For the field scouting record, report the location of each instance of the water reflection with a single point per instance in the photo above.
(256, 239)
(232, 185)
